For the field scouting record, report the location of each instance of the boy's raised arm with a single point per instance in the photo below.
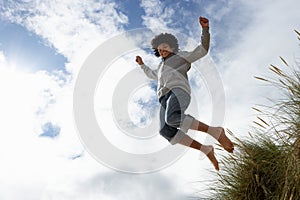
(202, 49)
(205, 37)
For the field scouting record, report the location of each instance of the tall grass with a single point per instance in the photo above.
(266, 165)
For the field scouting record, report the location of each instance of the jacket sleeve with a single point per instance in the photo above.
(152, 74)
(201, 50)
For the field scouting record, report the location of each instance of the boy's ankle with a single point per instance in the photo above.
(214, 131)
(206, 149)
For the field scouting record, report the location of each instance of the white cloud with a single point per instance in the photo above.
(268, 36)
(115, 186)
(24, 156)
(74, 28)
(31, 164)
(157, 16)
(33, 99)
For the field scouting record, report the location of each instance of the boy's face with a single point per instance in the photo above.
(164, 50)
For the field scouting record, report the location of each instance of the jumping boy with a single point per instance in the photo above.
(174, 92)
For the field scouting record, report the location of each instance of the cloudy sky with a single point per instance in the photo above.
(43, 46)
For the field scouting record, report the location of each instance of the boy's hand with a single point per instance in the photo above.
(204, 22)
(139, 60)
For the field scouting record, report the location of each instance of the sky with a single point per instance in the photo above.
(44, 44)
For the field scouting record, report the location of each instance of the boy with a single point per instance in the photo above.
(174, 92)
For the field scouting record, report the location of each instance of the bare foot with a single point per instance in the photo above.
(219, 134)
(209, 152)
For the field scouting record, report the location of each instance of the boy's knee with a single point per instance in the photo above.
(173, 120)
(166, 134)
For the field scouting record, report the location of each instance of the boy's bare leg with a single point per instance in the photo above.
(217, 132)
(207, 150)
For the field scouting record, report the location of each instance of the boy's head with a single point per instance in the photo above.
(164, 44)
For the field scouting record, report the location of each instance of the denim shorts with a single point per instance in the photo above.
(174, 123)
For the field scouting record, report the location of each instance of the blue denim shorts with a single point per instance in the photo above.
(174, 123)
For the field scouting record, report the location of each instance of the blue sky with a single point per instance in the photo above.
(43, 44)
(25, 47)
(28, 49)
